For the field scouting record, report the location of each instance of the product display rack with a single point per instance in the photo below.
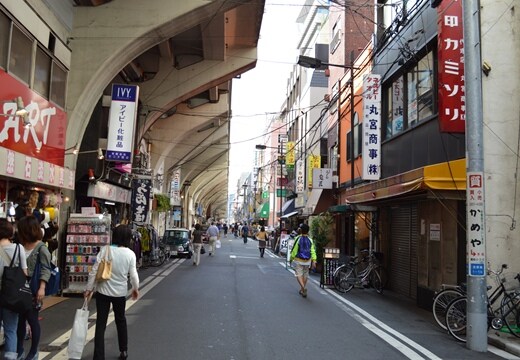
(330, 264)
(85, 236)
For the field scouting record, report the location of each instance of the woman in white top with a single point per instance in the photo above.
(8, 318)
(114, 290)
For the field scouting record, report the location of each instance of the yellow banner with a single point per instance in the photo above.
(290, 154)
(314, 161)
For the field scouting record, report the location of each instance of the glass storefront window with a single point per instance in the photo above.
(4, 39)
(42, 73)
(20, 55)
(58, 85)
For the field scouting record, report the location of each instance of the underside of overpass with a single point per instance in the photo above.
(183, 55)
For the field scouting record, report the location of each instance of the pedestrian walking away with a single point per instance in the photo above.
(113, 291)
(261, 236)
(213, 234)
(9, 318)
(30, 235)
(304, 256)
(196, 241)
(245, 232)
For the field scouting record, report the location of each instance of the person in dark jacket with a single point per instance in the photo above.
(30, 235)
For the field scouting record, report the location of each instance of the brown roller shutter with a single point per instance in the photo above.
(403, 272)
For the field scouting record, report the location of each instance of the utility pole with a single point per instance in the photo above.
(476, 312)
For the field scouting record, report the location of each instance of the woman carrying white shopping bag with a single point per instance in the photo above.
(78, 335)
(113, 291)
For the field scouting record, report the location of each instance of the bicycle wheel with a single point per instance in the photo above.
(440, 304)
(383, 274)
(341, 279)
(159, 258)
(456, 318)
(375, 281)
(510, 312)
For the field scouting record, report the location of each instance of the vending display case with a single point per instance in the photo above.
(85, 237)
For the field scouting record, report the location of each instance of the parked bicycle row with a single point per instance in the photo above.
(503, 306)
(363, 271)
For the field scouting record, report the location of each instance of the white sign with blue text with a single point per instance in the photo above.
(121, 123)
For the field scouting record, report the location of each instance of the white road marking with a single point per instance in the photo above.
(392, 337)
(145, 286)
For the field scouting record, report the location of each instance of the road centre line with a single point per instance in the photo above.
(145, 286)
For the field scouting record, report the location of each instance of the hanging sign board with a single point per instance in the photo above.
(141, 195)
(371, 127)
(121, 123)
(175, 188)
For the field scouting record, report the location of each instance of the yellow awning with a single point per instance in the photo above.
(443, 176)
(446, 176)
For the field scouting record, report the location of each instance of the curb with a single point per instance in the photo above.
(505, 342)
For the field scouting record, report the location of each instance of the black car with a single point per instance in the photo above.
(177, 242)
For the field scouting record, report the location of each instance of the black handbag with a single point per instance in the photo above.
(15, 294)
(202, 250)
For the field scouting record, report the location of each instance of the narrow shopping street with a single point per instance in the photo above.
(236, 305)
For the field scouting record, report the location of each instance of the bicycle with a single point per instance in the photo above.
(442, 299)
(156, 257)
(508, 313)
(361, 273)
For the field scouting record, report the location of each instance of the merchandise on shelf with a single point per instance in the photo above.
(85, 237)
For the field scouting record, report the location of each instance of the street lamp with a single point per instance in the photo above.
(281, 161)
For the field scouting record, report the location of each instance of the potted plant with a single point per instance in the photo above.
(321, 232)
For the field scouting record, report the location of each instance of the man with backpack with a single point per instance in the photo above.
(304, 256)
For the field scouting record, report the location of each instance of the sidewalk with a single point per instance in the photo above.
(504, 341)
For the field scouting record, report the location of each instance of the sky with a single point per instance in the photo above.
(259, 94)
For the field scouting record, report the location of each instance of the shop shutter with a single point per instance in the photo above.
(403, 272)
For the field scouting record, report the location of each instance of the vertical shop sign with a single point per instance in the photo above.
(121, 122)
(141, 194)
(290, 157)
(175, 188)
(371, 127)
(300, 176)
(452, 104)
(314, 163)
(475, 210)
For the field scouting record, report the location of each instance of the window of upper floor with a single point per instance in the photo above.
(23, 57)
(409, 98)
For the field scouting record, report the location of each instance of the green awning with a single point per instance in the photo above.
(264, 212)
(339, 208)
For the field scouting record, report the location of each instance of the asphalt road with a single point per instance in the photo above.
(236, 305)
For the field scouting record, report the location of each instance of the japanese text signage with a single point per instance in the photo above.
(322, 178)
(314, 163)
(452, 104)
(121, 122)
(300, 176)
(475, 218)
(371, 127)
(44, 139)
(141, 194)
(290, 155)
(175, 188)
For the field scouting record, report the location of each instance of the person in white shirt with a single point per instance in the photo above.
(114, 290)
(213, 234)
